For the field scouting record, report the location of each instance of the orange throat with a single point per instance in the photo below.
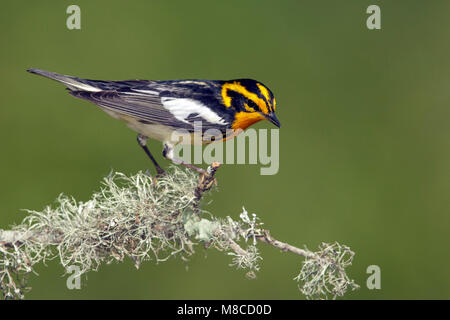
(243, 120)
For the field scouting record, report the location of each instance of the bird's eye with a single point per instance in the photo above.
(252, 104)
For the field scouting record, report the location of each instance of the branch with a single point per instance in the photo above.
(153, 219)
(266, 238)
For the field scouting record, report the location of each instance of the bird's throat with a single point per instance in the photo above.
(243, 120)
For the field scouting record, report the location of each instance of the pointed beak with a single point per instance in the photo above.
(273, 118)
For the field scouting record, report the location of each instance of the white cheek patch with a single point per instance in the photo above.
(181, 108)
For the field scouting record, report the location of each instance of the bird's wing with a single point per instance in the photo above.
(79, 84)
(146, 106)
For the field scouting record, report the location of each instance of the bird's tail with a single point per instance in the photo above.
(71, 83)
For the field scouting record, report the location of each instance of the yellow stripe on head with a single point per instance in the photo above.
(249, 109)
(265, 93)
(237, 87)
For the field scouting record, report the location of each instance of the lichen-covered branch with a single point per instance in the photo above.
(145, 218)
(266, 238)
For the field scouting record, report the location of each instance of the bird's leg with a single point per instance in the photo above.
(168, 154)
(142, 140)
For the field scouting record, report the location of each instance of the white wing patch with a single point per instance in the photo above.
(75, 85)
(151, 92)
(181, 108)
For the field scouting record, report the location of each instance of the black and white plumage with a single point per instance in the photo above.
(167, 105)
(156, 109)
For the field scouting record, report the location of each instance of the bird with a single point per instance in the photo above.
(157, 108)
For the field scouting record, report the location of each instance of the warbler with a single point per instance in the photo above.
(157, 109)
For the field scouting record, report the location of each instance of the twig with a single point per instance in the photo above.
(206, 180)
(267, 238)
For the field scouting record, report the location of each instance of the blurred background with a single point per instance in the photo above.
(364, 144)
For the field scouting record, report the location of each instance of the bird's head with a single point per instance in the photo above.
(251, 100)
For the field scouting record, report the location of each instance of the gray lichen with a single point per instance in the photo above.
(144, 218)
(324, 275)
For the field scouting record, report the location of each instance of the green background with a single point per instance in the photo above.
(364, 144)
